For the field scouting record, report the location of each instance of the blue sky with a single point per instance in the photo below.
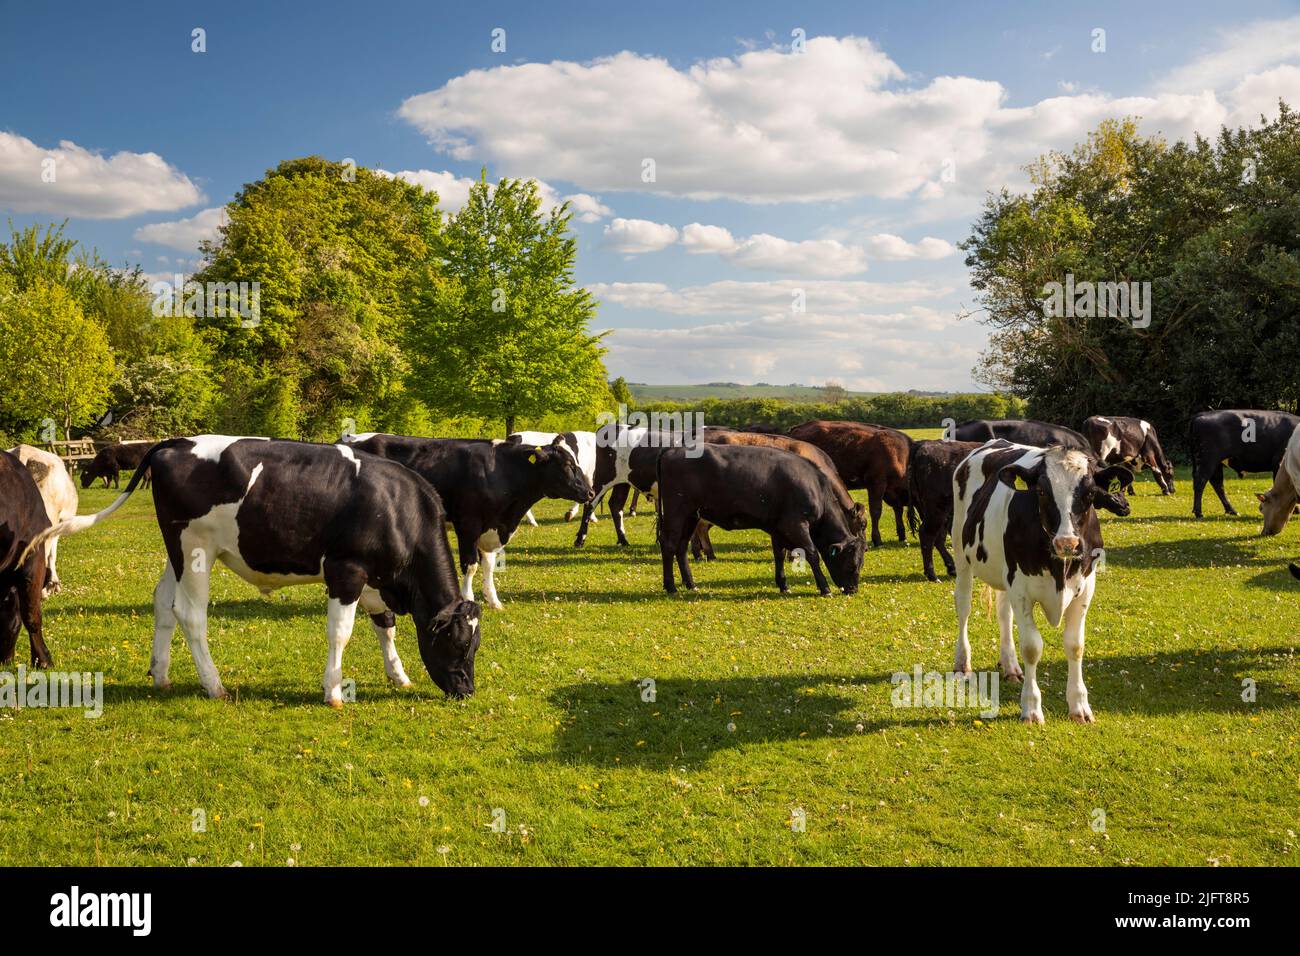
(847, 170)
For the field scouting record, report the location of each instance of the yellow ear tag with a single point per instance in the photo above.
(1021, 484)
(533, 457)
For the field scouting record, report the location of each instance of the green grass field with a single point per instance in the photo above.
(765, 706)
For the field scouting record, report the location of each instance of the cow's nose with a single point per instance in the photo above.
(1066, 544)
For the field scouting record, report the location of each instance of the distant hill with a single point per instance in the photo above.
(686, 393)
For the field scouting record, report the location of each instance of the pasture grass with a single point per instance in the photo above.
(765, 705)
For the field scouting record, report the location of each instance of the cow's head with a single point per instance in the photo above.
(1277, 503)
(447, 647)
(89, 472)
(1068, 485)
(559, 472)
(844, 562)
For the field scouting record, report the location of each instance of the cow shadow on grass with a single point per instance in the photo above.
(239, 609)
(688, 721)
(1243, 549)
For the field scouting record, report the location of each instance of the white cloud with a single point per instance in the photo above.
(884, 245)
(699, 238)
(730, 297)
(88, 184)
(184, 234)
(453, 193)
(1241, 51)
(1258, 94)
(633, 236)
(838, 121)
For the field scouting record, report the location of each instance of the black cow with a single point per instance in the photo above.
(487, 486)
(22, 566)
(1022, 432)
(1247, 440)
(744, 486)
(1132, 442)
(111, 460)
(929, 492)
(279, 513)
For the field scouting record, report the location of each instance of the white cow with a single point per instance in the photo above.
(1038, 546)
(58, 491)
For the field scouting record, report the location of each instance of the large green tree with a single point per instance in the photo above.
(334, 249)
(499, 329)
(1213, 226)
(58, 362)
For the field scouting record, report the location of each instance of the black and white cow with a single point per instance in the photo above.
(1131, 442)
(1247, 440)
(1022, 432)
(23, 519)
(281, 513)
(581, 445)
(1036, 546)
(487, 486)
(770, 489)
(615, 443)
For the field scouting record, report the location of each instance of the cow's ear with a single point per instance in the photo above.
(1018, 477)
(557, 441)
(1261, 498)
(1114, 503)
(1106, 476)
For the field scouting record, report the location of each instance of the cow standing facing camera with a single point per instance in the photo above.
(1039, 545)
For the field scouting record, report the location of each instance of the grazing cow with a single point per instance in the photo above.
(487, 486)
(1130, 442)
(111, 460)
(866, 456)
(701, 546)
(22, 566)
(1246, 440)
(929, 493)
(280, 513)
(1037, 546)
(59, 492)
(743, 486)
(1022, 432)
(615, 443)
(1277, 504)
(581, 445)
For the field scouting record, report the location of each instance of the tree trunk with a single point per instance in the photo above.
(510, 425)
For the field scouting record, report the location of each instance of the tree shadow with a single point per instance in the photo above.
(1189, 553)
(238, 609)
(608, 724)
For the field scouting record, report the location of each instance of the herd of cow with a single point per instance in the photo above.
(367, 516)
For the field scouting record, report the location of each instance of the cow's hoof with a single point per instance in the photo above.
(1033, 717)
(1082, 716)
(220, 694)
(625, 543)
(931, 576)
(496, 605)
(1013, 673)
(579, 542)
(1295, 570)
(162, 685)
(824, 592)
(671, 589)
(336, 704)
(42, 664)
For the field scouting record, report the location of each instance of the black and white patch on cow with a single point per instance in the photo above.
(1133, 443)
(282, 513)
(615, 442)
(581, 445)
(1037, 546)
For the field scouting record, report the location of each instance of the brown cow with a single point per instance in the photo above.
(700, 543)
(929, 490)
(866, 456)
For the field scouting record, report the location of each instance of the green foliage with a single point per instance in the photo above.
(895, 409)
(335, 251)
(499, 329)
(58, 361)
(1213, 226)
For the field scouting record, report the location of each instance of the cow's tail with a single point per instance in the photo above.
(911, 487)
(82, 522)
(659, 495)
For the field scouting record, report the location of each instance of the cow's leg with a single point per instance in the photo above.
(1198, 487)
(528, 516)
(617, 498)
(54, 585)
(778, 559)
(1216, 482)
(1006, 640)
(467, 551)
(1076, 694)
(875, 504)
(928, 537)
(11, 623)
(1031, 649)
(164, 626)
(898, 522)
(31, 589)
(799, 537)
(385, 626)
(339, 629)
(489, 559)
(581, 538)
(962, 592)
(191, 608)
(684, 565)
(636, 496)
(941, 542)
(573, 511)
